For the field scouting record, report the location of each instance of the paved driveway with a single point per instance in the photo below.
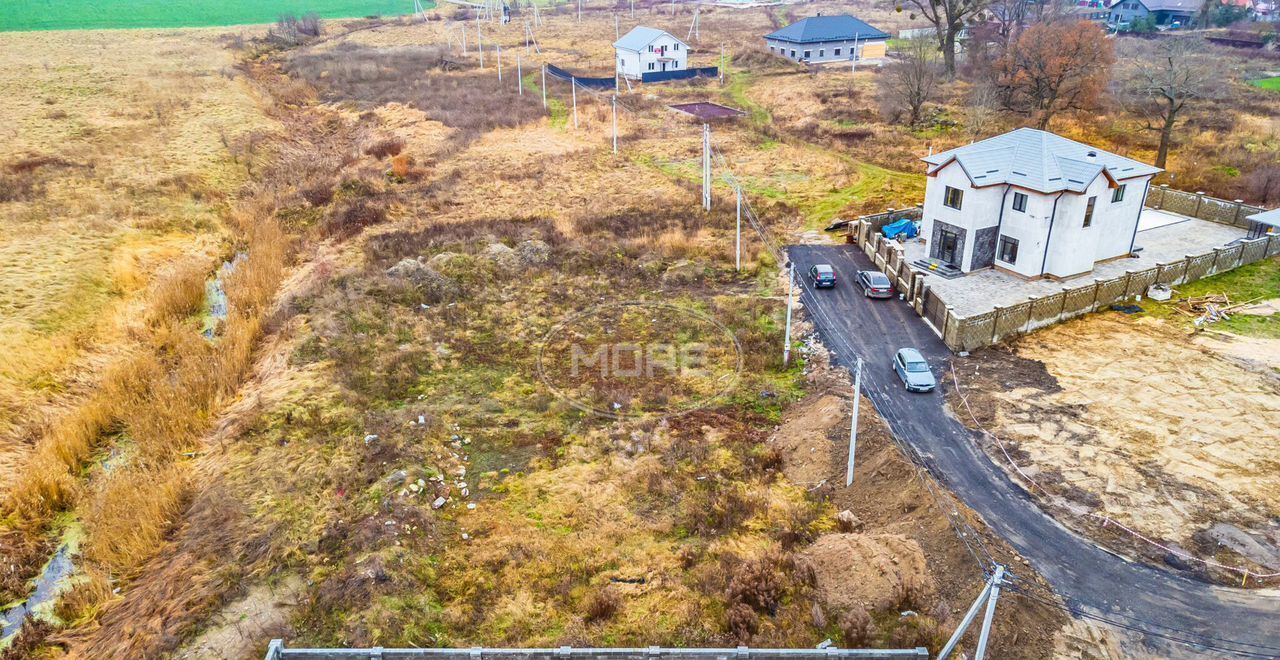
(1090, 579)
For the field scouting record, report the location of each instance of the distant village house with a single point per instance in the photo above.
(828, 39)
(1162, 12)
(1033, 204)
(649, 50)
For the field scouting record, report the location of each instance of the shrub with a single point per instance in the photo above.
(758, 583)
(384, 148)
(857, 627)
(743, 621)
(603, 604)
(352, 216)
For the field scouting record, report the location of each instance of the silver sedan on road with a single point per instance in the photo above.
(914, 370)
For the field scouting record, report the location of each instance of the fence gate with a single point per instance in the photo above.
(935, 311)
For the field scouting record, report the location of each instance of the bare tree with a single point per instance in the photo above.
(1054, 67)
(1159, 85)
(984, 101)
(948, 17)
(910, 80)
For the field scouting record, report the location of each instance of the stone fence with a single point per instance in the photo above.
(277, 651)
(972, 332)
(1197, 205)
(1003, 322)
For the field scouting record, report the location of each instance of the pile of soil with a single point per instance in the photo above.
(874, 571)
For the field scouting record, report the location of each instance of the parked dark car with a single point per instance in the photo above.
(823, 275)
(875, 284)
(914, 370)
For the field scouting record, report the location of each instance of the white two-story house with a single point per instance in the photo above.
(1032, 203)
(649, 50)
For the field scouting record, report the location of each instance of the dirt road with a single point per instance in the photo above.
(1178, 616)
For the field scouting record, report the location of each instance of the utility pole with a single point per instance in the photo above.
(499, 50)
(544, 86)
(989, 594)
(573, 83)
(615, 124)
(853, 426)
(519, 76)
(464, 38)
(706, 167)
(479, 43)
(579, 11)
(633, 8)
(786, 339)
(617, 28)
(854, 59)
(737, 241)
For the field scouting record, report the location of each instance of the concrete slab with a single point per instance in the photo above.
(1170, 238)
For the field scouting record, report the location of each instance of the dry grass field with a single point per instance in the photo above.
(113, 166)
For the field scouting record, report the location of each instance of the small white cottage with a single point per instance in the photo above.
(649, 50)
(1032, 203)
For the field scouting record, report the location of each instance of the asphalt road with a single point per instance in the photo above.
(1218, 621)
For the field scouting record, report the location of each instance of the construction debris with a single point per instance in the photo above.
(1208, 309)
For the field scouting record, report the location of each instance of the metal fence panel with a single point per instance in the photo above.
(1253, 250)
(1273, 246)
(1199, 266)
(1218, 210)
(1139, 281)
(1111, 290)
(682, 74)
(1171, 273)
(1180, 202)
(975, 332)
(1046, 308)
(1079, 299)
(1228, 258)
(1012, 320)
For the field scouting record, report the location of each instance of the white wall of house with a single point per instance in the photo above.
(1073, 248)
(666, 53)
(827, 51)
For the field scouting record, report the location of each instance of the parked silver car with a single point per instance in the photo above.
(914, 370)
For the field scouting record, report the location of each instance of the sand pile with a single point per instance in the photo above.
(802, 439)
(874, 571)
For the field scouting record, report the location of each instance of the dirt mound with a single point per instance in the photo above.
(874, 571)
(807, 453)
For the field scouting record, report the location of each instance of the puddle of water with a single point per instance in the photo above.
(56, 577)
(215, 296)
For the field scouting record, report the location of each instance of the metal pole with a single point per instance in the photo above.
(985, 634)
(519, 76)
(737, 241)
(855, 54)
(706, 167)
(579, 11)
(786, 340)
(544, 86)
(965, 622)
(853, 426)
(480, 43)
(617, 28)
(573, 83)
(615, 124)
(499, 50)
(464, 38)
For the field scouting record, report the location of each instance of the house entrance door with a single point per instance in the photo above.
(947, 244)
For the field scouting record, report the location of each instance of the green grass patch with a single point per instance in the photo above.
(1257, 282)
(874, 183)
(22, 15)
(557, 108)
(736, 93)
(1272, 84)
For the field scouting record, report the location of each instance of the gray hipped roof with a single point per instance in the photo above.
(640, 37)
(1038, 160)
(1191, 6)
(826, 28)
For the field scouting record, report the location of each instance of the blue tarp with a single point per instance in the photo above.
(907, 228)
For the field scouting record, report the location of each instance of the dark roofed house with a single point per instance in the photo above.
(828, 39)
(1164, 12)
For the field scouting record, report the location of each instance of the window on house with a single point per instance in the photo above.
(953, 197)
(1008, 251)
(675, 46)
(793, 52)
(808, 54)
(1117, 195)
(1020, 202)
(651, 66)
(1088, 211)
(822, 52)
(837, 52)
